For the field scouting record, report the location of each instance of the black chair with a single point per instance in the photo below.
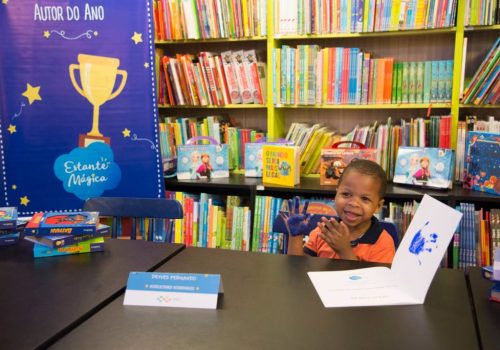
(135, 208)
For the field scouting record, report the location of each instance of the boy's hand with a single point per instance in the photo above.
(296, 221)
(336, 235)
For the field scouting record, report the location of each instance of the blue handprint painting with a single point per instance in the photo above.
(423, 242)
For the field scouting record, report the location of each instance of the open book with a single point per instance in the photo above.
(414, 266)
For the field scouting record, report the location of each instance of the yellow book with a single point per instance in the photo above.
(324, 88)
(396, 5)
(312, 145)
(419, 15)
(325, 137)
(244, 9)
(281, 165)
(333, 139)
(179, 224)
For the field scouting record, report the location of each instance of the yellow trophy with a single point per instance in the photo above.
(97, 76)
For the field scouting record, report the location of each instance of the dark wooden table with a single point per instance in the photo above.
(42, 299)
(269, 302)
(487, 312)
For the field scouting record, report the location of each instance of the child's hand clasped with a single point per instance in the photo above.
(336, 235)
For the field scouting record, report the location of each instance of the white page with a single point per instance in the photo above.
(414, 266)
(420, 252)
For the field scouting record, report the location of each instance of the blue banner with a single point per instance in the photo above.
(77, 103)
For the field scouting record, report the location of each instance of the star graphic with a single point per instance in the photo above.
(96, 33)
(12, 128)
(146, 65)
(46, 34)
(137, 38)
(24, 201)
(126, 132)
(14, 187)
(32, 93)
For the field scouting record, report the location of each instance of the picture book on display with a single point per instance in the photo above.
(202, 162)
(66, 240)
(281, 165)
(8, 218)
(62, 223)
(424, 167)
(482, 162)
(335, 160)
(253, 156)
(89, 246)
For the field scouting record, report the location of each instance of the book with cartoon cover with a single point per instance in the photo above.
(8, 218)
(89, 246)
(425, 167)
(66, 240)
(280, 165)
(62, 223)
(482, 162)
(202, 162)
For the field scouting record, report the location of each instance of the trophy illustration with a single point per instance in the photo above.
(97, 76)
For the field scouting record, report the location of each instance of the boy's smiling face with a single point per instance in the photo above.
(357, 199)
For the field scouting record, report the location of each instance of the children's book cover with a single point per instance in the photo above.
(335, 160)
(424, 167)
(253, 157)
(90, 246)
(62, 223)
(281, 165)
(482, 162)
(202, 162)
(66, 240)
(8, 218)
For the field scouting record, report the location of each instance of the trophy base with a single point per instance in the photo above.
(86, 140)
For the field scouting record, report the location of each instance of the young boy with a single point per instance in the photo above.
(357, 235)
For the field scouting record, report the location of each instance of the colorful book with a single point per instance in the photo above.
(425, 167)
(90, 246)
(281, 165)
(62, 223)
(8, 218)
(66, 240)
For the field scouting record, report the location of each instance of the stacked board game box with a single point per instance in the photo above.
(63, 233)
(9, 231)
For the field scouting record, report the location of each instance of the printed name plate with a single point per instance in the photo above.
(172, 289)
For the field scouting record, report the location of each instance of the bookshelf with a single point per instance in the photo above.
(403, 45)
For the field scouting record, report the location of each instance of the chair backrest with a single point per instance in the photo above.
(118, 207)
(392, 231)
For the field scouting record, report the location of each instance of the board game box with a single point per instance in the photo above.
(482, 162)
(62, 223)
(425, 167)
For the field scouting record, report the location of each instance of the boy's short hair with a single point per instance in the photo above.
(370, 168)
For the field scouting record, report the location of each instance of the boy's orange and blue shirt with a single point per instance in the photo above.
(376, 245)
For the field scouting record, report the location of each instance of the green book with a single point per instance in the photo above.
(419, 93)
(405, 83)
(394, 97)
(399, 82)
(412, 85)
(427, 81)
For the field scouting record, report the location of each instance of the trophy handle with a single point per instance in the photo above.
(122, 84)
(72, 68)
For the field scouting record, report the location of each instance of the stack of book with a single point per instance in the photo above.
(63, 233)
(9, 233)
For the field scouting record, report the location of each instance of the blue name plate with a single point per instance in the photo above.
(172, 289)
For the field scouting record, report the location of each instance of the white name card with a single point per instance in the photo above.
(172, 290)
